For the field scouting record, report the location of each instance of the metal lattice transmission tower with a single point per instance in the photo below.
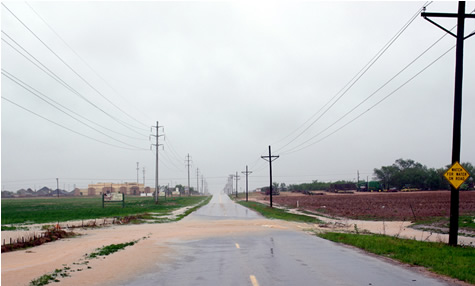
(157, 136)
(188, 165)
(198, 180)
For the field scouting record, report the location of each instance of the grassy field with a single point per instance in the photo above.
(45, 210)
(455, 262)
(275, 213)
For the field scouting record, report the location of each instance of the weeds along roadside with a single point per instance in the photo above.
(52, 210)
(433, 256)
(49, 233)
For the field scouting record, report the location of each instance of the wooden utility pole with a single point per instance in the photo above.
(198, 180)
(269, 159)
(247, 191)
(188, 165)
(456, 135)
(237, 179)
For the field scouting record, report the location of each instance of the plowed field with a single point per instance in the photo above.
(382, 206)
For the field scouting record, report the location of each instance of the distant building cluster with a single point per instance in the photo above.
(134, 189)
(43, 192)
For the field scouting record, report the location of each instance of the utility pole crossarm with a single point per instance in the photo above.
(156, 135)
(461, 17)
(188, 166)
(237, 179)
(269, 159)
(247, 172)
(445, 15)
(457, 130)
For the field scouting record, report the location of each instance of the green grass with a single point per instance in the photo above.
(109, 249)
(437, 225)
(12, 227)
(47, 210)
(467, 221)
(47, 278)
(275, 213)
(189, 211)
(455, 262)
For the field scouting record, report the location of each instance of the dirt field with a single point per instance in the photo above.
(22, 266)
(380, 206)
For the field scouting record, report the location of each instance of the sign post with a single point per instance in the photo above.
(456, 175)
(113, 198)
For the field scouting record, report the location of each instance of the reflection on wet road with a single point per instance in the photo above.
(270, 257)
(222, 207)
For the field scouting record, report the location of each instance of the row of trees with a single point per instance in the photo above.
(408, 173)
(315, 185)
(401, 174)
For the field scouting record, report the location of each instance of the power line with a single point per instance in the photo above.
(157, 145)
(269, 158)
(377, 103)
(43, 96)
(74, 71)
(62, 126)
(176, 167)
(172, 149)
(356, 78)
(188, 166)
(83, 60)
(53, 75)
(368, 97)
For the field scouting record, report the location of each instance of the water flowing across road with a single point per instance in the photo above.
(270, 256)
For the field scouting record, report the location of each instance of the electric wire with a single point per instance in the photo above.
(368, 97)
(53, 75)
(24, 85)
(67, 128)
(295, 149)
(160, 159)
(127, 125)
(377, 103)
(173, 150)
(84, 61)
(357, 77)
(42, 97)
(176, 167)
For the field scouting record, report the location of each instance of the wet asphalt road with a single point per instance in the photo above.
(272, 257)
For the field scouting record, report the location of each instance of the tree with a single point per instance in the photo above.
(471, 171)
(404, 173)
(386, 175)
(283, 187)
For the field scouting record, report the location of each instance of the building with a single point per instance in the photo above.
(132, 189)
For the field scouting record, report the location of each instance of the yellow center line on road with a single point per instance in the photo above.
(237, 246)
(254, 280)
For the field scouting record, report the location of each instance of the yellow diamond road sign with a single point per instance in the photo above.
(456, 175)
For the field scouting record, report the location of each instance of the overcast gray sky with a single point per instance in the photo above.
(226, 80)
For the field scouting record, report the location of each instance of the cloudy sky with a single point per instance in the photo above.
(329, 85)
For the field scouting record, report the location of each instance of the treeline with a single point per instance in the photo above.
(315, 186)
(401, 174)
(408, 173)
